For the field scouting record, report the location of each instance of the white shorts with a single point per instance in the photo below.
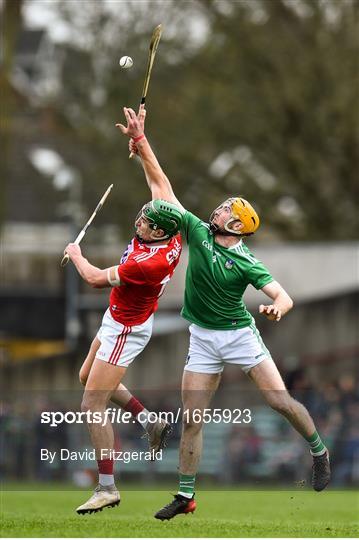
(210, 349)
(121, 344)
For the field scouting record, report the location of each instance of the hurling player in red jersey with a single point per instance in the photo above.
(137, 283)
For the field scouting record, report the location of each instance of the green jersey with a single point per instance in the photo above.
(217, 277)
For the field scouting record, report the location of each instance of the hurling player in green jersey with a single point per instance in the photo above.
(220, 267)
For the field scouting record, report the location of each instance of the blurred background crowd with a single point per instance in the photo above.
(251, 97)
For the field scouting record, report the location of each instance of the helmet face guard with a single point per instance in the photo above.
(240, 210)
(160, 215)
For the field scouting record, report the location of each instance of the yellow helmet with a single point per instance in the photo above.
(244, 211)
(241, 210)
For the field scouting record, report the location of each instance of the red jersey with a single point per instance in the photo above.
(144, 271)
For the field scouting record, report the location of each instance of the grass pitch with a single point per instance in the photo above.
(219, 514)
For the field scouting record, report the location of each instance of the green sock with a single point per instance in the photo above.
(186, 485)
(317, 448)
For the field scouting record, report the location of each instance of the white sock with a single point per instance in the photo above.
(106, 479)
(142, 418)
(317, 454)
(187, 495)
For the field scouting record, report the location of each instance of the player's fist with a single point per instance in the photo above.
(72, 250)
(272, 312)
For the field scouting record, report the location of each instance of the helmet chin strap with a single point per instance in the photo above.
(151, 241)
(223, 232)
(154, 239)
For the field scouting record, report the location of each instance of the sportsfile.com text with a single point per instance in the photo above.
(117, 416)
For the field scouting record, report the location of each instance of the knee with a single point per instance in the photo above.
(85, 404)
(191, 421)
(91, 402)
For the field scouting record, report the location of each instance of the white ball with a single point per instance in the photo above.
(126, 62)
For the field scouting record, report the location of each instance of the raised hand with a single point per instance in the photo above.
(135, 123)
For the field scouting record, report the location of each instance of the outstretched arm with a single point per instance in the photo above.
(94, 276)
(157, 181)
(282, 302)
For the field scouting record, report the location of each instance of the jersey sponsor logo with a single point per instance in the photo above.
(207, 245)
(172, 255)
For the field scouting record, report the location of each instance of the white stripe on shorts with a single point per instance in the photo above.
(120, 343)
